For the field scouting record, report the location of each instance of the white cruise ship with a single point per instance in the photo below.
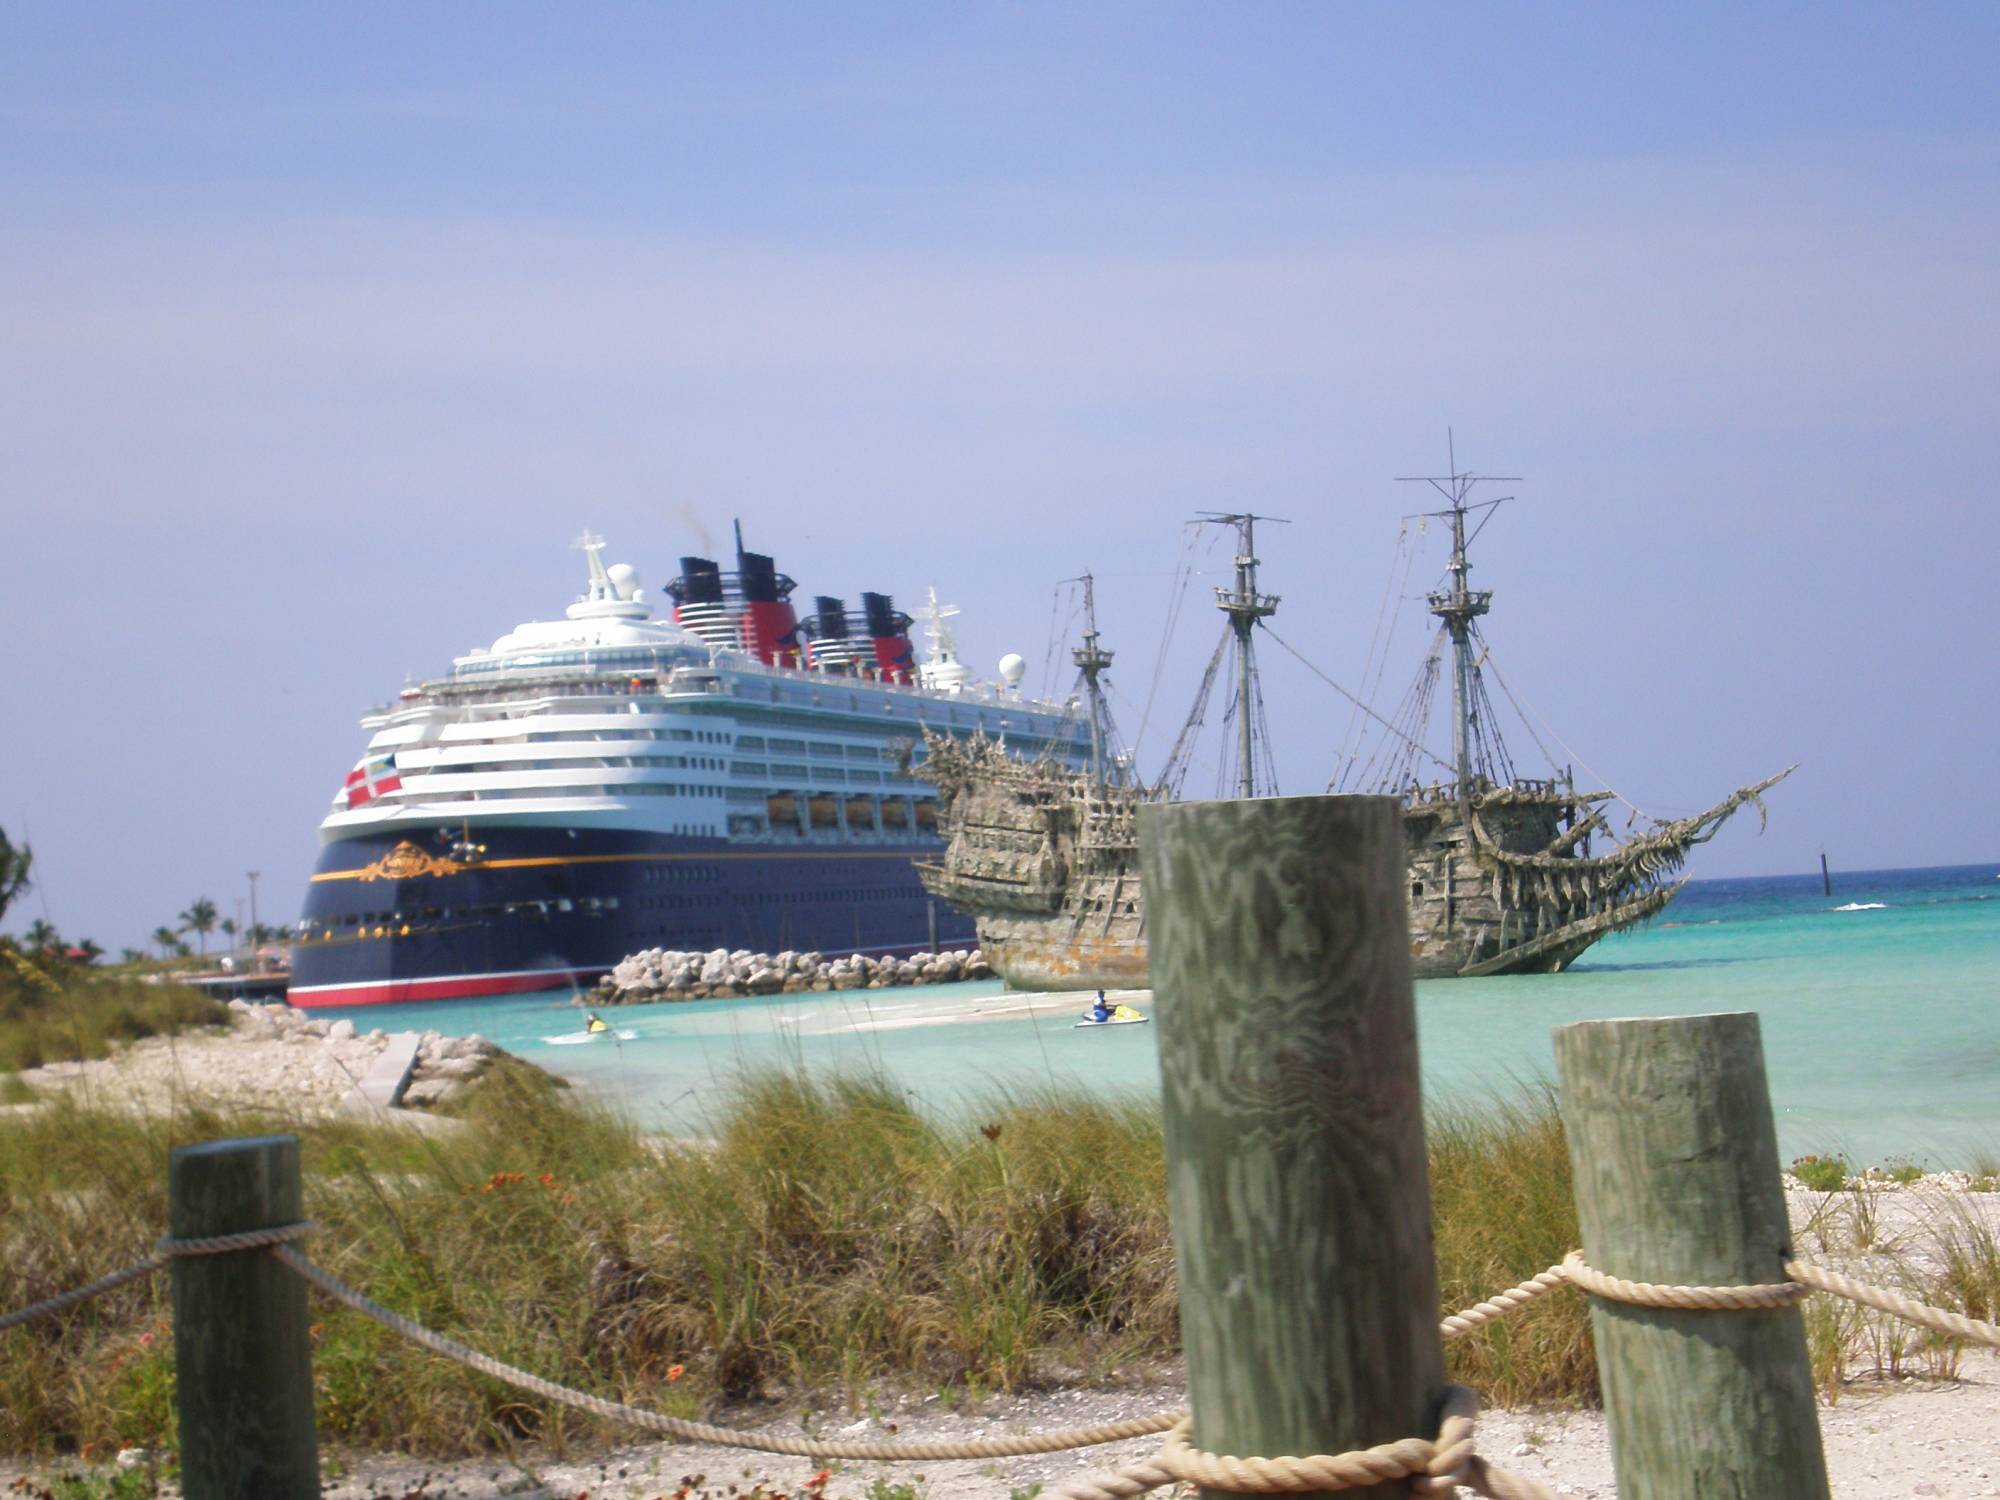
(732, 777)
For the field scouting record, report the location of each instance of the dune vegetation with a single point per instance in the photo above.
(55, 1011)
(823, 1241)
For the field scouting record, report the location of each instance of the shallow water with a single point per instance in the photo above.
(1880, 1006)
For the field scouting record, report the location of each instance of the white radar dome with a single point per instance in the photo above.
(1013, 668)
(624, 580)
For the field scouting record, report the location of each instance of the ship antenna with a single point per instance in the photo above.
(1245, 607)
(1457, 605)
(591, 545)
(1092, 659)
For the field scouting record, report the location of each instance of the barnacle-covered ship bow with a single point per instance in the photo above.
(1043, 855)
(1503, 882)
(1512, 874)
(1045, 859)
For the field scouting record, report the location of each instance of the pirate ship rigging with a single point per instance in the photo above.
(1508, 874)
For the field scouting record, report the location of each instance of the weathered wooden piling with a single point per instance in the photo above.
(1294, 1129)
(1676, 1166)
(242, 1352)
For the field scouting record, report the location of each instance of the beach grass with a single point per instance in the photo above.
(60, 1012)
(824, 1241)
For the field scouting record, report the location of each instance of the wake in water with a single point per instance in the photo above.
(1864, 906)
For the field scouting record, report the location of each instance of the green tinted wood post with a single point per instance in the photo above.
(1676, 1165)
(1296, 1174)
(242, 1353)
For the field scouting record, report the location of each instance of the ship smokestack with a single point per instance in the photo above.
(770, 627)
(830, 646)
(699, 605)
(889, 630)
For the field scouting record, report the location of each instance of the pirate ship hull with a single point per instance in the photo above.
(1046, 864)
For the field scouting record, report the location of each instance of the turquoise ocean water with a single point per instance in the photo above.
(1880, 1006)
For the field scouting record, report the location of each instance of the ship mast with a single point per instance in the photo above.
(1458, 606)
(1092, 659)
(1245, 607)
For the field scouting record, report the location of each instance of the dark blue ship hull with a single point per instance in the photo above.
(417, 914)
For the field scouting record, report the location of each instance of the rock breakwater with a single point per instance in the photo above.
(665, 974)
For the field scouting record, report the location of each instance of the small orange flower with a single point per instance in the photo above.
(818, 1481)
(674, 1372)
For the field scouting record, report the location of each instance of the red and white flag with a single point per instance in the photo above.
(371, 777)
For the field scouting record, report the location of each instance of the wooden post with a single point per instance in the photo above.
(1676, 1165)
(1296, 1175)
(242, 1354)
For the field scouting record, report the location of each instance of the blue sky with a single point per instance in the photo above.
(322, 334)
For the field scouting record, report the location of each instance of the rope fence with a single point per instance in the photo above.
(1433, 1466)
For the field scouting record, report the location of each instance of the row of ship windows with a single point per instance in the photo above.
(580, 763)
(777, 898)
(749, 769)
(677, 874)
(607, 657)
(572, 736)
(568, 789)
(822, 749)
(394, 919)
(953, 715)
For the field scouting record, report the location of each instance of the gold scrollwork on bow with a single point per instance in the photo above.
(406, 862)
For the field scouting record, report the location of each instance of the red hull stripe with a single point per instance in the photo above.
(447, 987)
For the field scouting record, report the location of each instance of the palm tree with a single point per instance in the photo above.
(14, 866)
(199, 919)
(90, 950)
(167, 939)
(227, 927)
(42, 938)
(131, 955)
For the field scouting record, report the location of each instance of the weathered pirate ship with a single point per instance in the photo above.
(1508, 874)
(1045, 859)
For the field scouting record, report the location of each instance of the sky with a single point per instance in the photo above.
(324, 331)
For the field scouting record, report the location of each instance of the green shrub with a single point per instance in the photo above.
(67, 1014)
(1823, 1174)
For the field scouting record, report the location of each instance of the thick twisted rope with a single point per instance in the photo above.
(168, 1250)
(1501, 1303)
(242, 1239)
(1806, 1279)
(83, 1293)
(1955, 1325)
(1431, 1466)
(703, 1432)
(1701, 1298)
